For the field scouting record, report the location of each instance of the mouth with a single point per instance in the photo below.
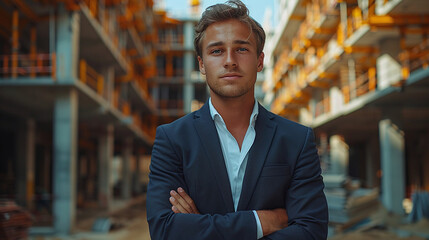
(231, 76)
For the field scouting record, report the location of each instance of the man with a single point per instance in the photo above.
(232, 170)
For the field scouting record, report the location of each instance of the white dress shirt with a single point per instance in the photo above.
(236, 159)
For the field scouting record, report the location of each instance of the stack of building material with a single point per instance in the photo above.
(347, 202)
(14, 221)
(420, 208)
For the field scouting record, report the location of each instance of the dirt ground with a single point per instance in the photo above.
(373, 235)
(384, 225)
(129, 223)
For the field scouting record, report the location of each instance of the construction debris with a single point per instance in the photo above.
(420, 208)
(14, 221)
(348, 203)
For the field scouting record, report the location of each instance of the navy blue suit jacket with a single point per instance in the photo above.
(283, 171)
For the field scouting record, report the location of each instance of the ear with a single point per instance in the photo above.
(201, 65)
(260, 62)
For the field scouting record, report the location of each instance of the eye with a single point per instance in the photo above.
(216, 51)
(242, 49)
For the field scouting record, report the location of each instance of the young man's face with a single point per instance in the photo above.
(229, 59)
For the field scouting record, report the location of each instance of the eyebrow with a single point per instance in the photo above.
(220, 43)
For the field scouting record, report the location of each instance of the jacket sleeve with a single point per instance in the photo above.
(305, 200)
(166, 174)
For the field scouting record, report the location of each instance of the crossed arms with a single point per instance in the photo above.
(306, 208)
(271, 220)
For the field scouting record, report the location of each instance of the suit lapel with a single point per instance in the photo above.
(207, 132)
(265, 129)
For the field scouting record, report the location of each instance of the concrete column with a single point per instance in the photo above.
(126, 169)
(105, 158)
(343, 15)
(65, 160)
(392, 155)
(46, 176)
(324, 152)
(67, 45)
(372, 163)
(26, 157)
(188, 67)
(388, 68)
(336, 99)
(155, 94)
(30, 159)
(425, 165)
(110, 84)
(136, 179)
(339, 156)
(352, 78)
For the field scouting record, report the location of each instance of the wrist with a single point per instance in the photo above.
(262, 214)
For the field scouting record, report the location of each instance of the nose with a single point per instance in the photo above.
(230, 61)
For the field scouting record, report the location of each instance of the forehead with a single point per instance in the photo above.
(228, 30)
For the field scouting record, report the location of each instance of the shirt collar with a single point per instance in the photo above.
(253, 116)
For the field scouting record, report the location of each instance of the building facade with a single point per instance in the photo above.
(356, 71)
(178, 87)
(75, 101)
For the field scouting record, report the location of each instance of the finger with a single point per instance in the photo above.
(175, 210)
(177, 205)
(181, 201)
(188, 199)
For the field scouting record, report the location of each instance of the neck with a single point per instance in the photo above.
(234, 111)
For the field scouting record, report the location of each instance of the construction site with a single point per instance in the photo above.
(84, 84)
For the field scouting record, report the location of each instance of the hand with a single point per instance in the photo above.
(181, 202)
(272, 220)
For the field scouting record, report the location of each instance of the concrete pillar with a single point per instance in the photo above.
(372, 162)
(389, 70)
(65, 122)
(137, 172)
(67, 45)
(392, 156)
(352, 78)
(155, 94)
(188, 67)
(343, 17)
(30, 145)
(336, 99)
(339, 156)
(324, 152)
(126, 169)
(64, 160)
(425, 165)
(110, 84)
(45, 180)
(105, 158)
(26, 156)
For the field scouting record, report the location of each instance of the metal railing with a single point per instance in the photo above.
(414, 58)
(323, 106)
(365, 83)
(33, 65)
(90, 77)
